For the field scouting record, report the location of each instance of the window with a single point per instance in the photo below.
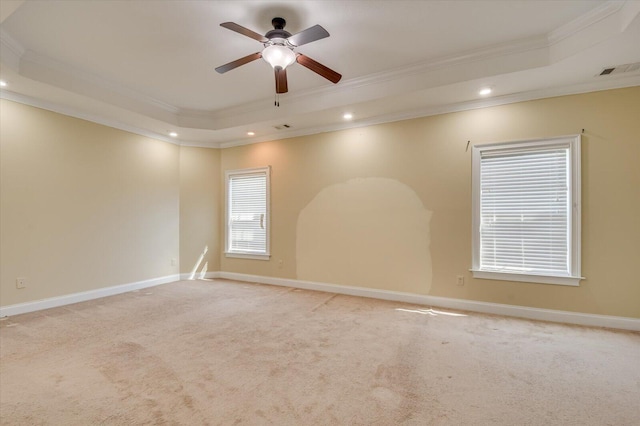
(247, 233)
(526, 211)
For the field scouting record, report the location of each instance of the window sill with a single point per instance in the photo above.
(253, 256)
(541, 279)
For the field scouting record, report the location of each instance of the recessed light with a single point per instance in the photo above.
(484, 92)
(3, 83)
(251, 134)
(173, 134)
(347, 116)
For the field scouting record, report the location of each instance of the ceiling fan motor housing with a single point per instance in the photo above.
(278, 23)
(278, 30)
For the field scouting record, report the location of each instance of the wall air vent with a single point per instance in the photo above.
(619, 69)
(282, 126)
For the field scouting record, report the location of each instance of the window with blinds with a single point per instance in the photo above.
(526, 211)
(248, 213)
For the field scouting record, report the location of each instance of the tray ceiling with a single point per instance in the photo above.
(148, 67)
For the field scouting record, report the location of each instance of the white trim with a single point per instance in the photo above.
(12, 51)
(39, 68)
(247, 255)
(267, 219)
(578, 28)
(622, 323)
(575, 228)
(211, 275)
(593, 320)
(68, 299)
(583, 22)
(80, 76)
(72, 112)
(572, 142)
(618, 82)
(527, 278)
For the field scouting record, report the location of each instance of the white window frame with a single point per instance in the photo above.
(571, 142)
(229, 174)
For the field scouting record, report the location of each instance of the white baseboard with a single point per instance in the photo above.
(53, 302)
(198, 276)
(622, 323)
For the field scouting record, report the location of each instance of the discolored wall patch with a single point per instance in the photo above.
(366, 232)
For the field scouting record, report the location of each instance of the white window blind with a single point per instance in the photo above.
(247, 212)
(525, 217)
(524, 212)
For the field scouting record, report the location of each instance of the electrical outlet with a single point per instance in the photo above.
(173, 261)
(280, 263)
(460, 280)
(21, 282)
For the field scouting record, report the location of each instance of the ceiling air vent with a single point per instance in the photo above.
(282, 126)
(619, 69)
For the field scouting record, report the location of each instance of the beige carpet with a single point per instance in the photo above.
(222, 352)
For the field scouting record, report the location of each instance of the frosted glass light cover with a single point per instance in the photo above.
(278, 56)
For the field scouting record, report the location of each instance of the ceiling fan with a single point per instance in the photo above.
(278, 51)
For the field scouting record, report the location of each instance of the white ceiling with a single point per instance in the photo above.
(148, 66)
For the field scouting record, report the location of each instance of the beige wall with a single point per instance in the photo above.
(200, 210)
(428, 157)
(83, 206)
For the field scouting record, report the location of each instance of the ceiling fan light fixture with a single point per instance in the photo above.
(277, 51)
(278, 56)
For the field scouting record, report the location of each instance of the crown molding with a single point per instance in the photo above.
(464, 58)
(619, 83)
(40, 68)
(553, 92)
(209, 145)
(11, 43)
(630, 12)
(583, 22)
(19, 58)
(515, 47)
(73, 112)
(27, 58)
(36, 59)
(12, 51)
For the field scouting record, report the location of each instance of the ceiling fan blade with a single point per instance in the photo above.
(318, 68)
(281, 80)
(307, 36)
(235, 64)
(244, 31)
